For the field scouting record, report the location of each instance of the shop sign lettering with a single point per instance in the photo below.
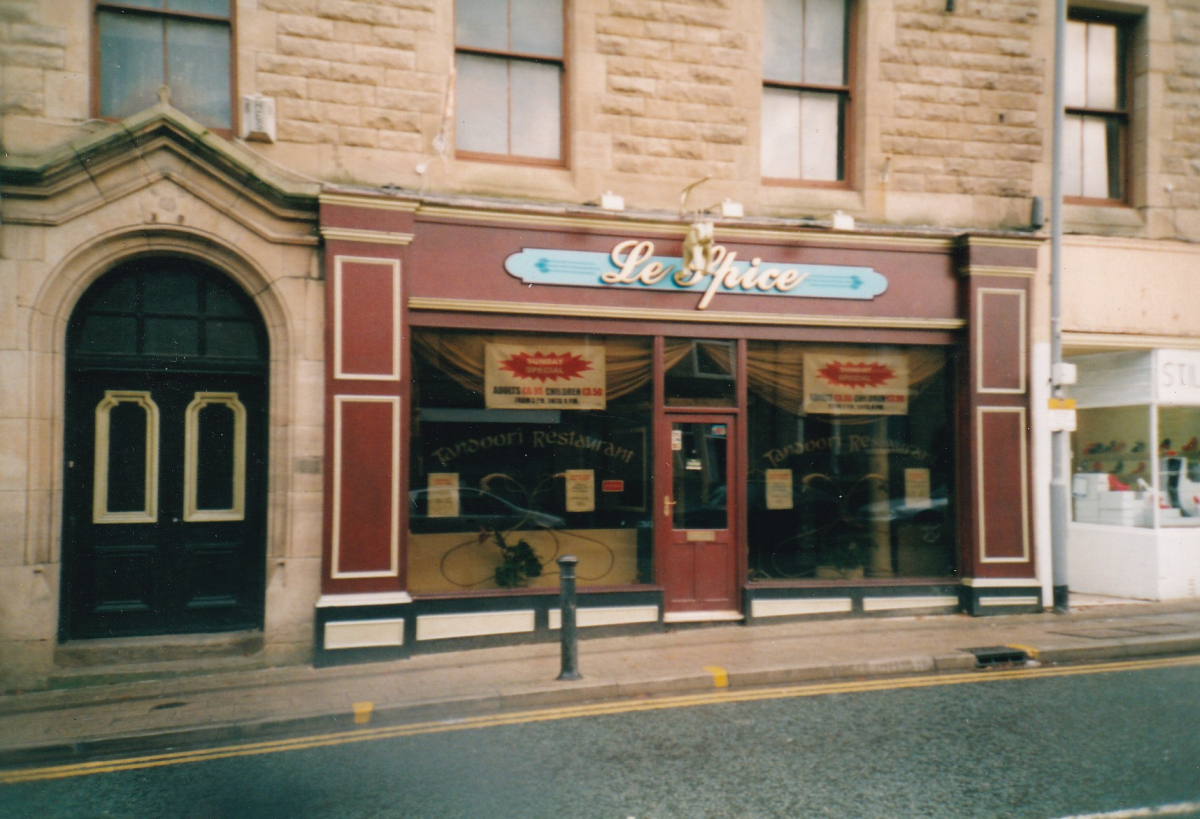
(1178, 376)
(553, 377)
(539, 440)
(849, 385)
(844, 445)
(632, 264)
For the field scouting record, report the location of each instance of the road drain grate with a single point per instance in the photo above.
(997, 656)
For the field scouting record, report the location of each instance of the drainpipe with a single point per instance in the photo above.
(1059, 491)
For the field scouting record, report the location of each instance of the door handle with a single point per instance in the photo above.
(667, 504)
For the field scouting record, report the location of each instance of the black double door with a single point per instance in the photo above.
(165, 496)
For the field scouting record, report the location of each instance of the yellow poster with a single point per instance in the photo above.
(856, 385)
(443, 494)
(544, 377)
(581, 490)
(779, 488)
(916, 489)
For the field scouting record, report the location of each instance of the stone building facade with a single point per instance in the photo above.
(343, 201)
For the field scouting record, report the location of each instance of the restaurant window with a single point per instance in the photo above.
(1096, 119)
(806, 91)
(851, 462)
(509, 86)
(526, 448)
(182, 44)
(700, 373)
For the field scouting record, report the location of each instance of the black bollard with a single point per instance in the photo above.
(570, 647)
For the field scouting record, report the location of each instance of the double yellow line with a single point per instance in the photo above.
(571, 712)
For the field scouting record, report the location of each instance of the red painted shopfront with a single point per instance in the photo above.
(788, 422)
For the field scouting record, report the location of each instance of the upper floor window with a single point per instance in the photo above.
(182, 44)
(806, 90)
(1096, 118)
(509, 62)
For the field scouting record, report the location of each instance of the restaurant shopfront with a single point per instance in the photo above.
(741, 423)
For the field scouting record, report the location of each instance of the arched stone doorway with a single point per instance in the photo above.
(165, 454)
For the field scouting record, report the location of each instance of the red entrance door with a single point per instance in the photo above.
(697, 543)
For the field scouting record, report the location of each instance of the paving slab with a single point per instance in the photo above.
(231, 705)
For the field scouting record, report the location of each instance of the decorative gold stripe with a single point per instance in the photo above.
(995, 270)
(339, 319)
(378, 237)
(393, 569)
(795, 236)
(149, 511)
(372, 202)
(1129, 341)
(192, 454)
(696, 317)
(821, 236)
(1021, 480)
(1005, 241)
(555, 220)
(980, 340)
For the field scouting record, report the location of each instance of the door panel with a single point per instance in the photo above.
(188, 452)
(698, 540)
(164, 490)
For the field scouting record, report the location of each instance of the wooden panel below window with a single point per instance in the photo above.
(366, 487)
(1003, 474)
(1000, 340)
(367, 319)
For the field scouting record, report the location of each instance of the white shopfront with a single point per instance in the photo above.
(1135, 529)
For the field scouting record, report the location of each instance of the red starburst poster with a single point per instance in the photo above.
(856, 385)
(544, 376)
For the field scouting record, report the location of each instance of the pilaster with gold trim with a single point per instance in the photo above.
(366, 406)
(995, 513)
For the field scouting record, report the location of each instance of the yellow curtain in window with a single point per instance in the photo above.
(775, 370)
(628, 361)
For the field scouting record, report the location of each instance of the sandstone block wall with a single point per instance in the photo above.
(951, 121)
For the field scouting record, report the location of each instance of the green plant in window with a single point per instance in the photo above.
(845, 552)
(518, 563)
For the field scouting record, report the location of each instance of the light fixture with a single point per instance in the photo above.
(611, 201)
(732, 210)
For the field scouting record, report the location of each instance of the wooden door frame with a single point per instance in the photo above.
(78, 431)
(738, 453)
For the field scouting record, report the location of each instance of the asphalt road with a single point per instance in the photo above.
(1031, 746)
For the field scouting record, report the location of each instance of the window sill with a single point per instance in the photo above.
(1109, 219)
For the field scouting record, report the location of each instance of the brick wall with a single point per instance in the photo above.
(347, 73)
(669, 98)
(43, 77)
(1181, 104)
(966, 98)
(952, 124)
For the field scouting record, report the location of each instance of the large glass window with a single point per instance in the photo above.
(1127, 473)
(182, 44)
(1097, 109)
(525, 448)
(806, 91)
(509, 63)
(851, 462)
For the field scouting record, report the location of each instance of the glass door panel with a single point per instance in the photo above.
(699, 475)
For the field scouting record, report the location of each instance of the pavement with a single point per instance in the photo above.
(226, 706)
